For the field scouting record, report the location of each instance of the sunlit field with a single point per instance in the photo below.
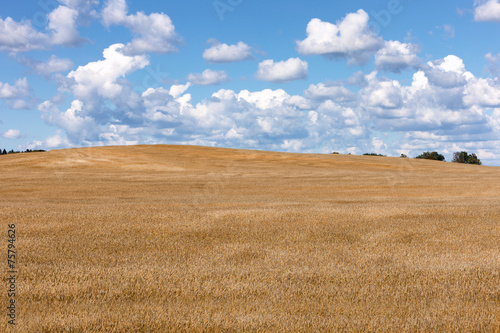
(189, 239)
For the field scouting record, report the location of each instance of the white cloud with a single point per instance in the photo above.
(85, 8)
(292, 145)
(264, 99)
(12, 134)
(78, 126)
(102, 97)
(335, 92)
(152, 33)
(18, 96)
(350, 38)
(448, 72)
(20, 89)
(101, 77)
(494, 64)
(482, 92)
(61, 30)
(21, 37)
(62, 21)
(53, 65)
(396, 56)
(454, 109)
(299, 102)
(208, 77)
(178, 89)
(488, 10)
(283, 71)
(223, 53)
(56, 141)
(382, 94)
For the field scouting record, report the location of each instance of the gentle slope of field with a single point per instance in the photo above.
(183, 238)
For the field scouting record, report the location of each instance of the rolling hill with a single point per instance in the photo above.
(186, 238)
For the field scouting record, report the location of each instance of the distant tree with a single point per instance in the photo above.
(335, 153)
(403, 156)
(4, 152)
(431, 156)
(464, 157)
(460, 157)
(372, 154)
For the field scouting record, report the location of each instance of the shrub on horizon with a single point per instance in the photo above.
(431, 156)
(372, 154)
(464, 157)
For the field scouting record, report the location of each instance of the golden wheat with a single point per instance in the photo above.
(180, 239)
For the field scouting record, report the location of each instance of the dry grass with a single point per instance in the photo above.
(172, 238)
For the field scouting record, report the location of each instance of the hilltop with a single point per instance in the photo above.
(236, 170)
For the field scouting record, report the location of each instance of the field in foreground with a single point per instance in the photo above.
(179, 238)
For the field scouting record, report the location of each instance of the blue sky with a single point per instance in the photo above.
(390, 77)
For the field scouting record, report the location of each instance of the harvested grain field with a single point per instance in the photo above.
(187, 239)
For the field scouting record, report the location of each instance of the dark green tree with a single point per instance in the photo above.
(4, 152)
(431, 156)
(372, 154)
(464, 157)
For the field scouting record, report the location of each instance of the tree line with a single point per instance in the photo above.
(458, 157)
(12, 151)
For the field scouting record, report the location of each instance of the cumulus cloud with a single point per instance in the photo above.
(482, 92)
(283, 71)
(12, 134)
(223, 53)
(487, 10)
(17, 96)
(62, 23)
(61, 29)
(78, 126)
(53, 65)
(85, 8)
(56, 141)
(208, 77)
(350, 38)
(455, 106)
(21, 88)
(177, 90)
(152, 33)
(382, 94)
(335, 92)
(102, 98)
(21, 37)
(447, 72)
(396, 56)
(101, 77)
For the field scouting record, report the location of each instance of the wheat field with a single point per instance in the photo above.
(193, 239)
